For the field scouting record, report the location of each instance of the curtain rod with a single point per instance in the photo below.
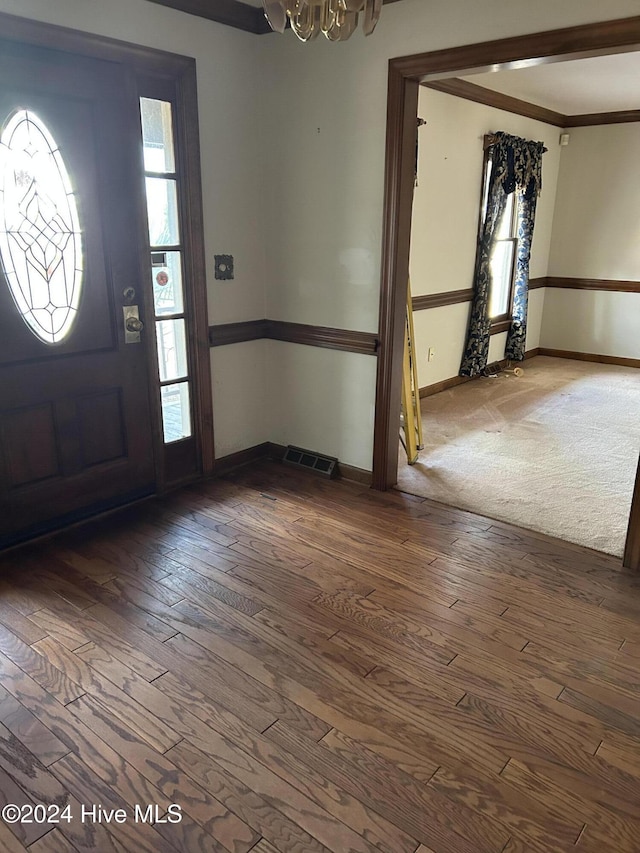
(490, 139)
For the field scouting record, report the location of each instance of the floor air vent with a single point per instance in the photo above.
(325, 465)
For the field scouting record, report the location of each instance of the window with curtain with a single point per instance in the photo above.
(513, 179)
(503, 255)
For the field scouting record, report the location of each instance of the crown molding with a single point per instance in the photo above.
(481, 95)
(590, 119)
(231, 13)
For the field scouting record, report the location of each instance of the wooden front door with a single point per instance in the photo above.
(75, 422)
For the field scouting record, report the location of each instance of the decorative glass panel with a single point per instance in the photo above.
(176, 411)
(166, 269)
(40, 236)
(172, 349)
(157, 136)
(162, 207)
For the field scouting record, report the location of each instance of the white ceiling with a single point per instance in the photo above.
(595, 85)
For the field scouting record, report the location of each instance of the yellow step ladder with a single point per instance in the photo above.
(411, 425)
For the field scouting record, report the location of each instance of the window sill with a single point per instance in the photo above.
(498, 326)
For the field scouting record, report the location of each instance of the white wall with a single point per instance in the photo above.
(325, 189)
(240, 395)
(537, 301)
(444, 231)
(444, 330)
(321, 400)
(596, 234)
(592, 321)
(596, 222)
(229, 74)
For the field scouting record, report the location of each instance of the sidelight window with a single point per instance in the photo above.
(167, 262)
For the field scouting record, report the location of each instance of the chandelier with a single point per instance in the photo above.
(337, 19)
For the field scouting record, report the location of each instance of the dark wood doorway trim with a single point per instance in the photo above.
(631, 559)
(179, 72)
(405, 73)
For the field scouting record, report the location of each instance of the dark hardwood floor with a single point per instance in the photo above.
(305, 666)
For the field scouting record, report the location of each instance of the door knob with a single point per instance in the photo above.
(134, 324)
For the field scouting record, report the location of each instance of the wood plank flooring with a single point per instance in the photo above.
(306, 666)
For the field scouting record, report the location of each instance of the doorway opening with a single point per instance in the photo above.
(405, 75)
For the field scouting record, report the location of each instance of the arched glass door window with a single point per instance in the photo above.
(40, 236)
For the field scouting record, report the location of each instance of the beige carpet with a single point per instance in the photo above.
(555, 450)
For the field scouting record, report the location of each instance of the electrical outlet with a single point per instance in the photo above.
(431, 354)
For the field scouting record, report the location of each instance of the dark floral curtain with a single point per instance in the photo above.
(516, 166)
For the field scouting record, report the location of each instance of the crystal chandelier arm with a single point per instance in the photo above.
(328, 16)
(343, 22)
(275, 11)
(305, 22)
(372, 9)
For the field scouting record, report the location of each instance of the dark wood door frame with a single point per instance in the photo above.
(631, 559)
(405, 73)
(179, 73)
